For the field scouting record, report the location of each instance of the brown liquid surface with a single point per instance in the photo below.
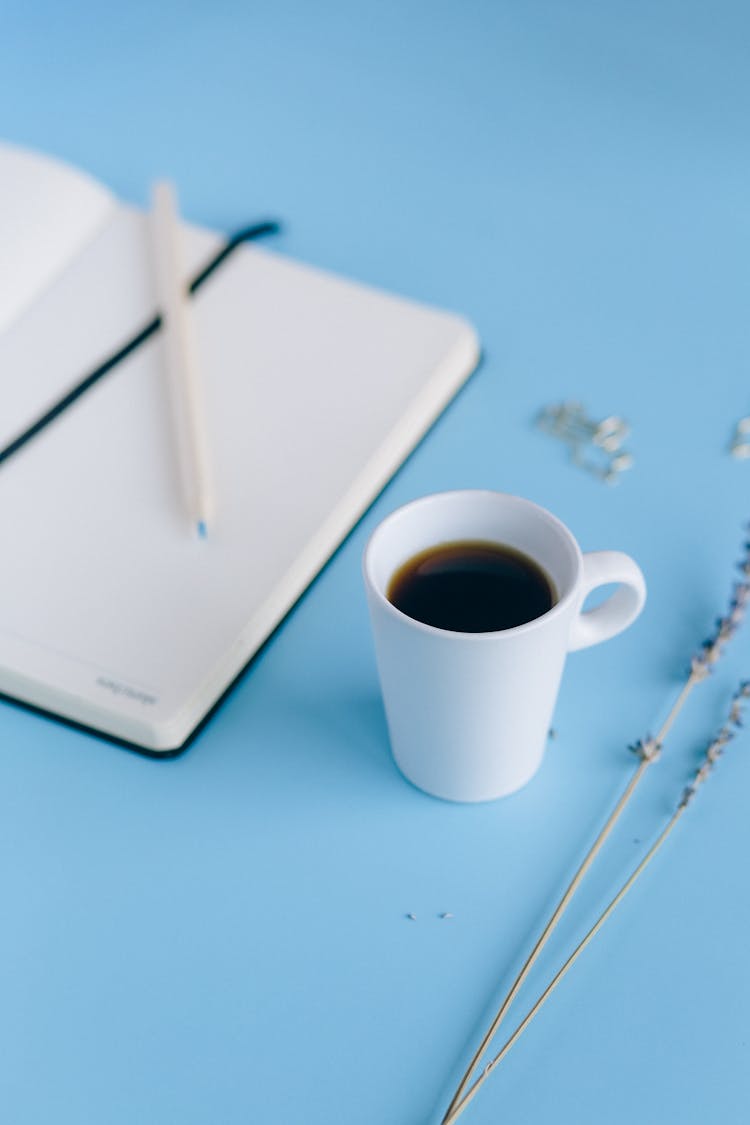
(471, 586)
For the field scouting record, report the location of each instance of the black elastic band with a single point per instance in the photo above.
(85, 384)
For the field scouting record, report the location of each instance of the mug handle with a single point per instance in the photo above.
(619, 610)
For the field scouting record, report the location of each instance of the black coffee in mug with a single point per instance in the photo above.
(471, 586)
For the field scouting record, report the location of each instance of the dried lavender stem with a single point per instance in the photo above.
(714, 751)
(677, 706)
(575, 882)
(462, 1104)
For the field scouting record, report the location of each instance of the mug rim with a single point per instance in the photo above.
(559, 607)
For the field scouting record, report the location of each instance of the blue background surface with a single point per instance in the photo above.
(223, 938)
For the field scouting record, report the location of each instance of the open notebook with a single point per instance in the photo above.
(114, 614)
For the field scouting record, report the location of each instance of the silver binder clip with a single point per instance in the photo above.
(740, 447)
(594, 446)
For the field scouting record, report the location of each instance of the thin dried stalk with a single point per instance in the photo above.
(648, 751)
(714, 751)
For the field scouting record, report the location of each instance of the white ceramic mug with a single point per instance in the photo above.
(469, 713)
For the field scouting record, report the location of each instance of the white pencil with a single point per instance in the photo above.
(181, 356)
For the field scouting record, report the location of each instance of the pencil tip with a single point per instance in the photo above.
(202, 529)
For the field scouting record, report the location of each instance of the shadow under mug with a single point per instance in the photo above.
(468, 713)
